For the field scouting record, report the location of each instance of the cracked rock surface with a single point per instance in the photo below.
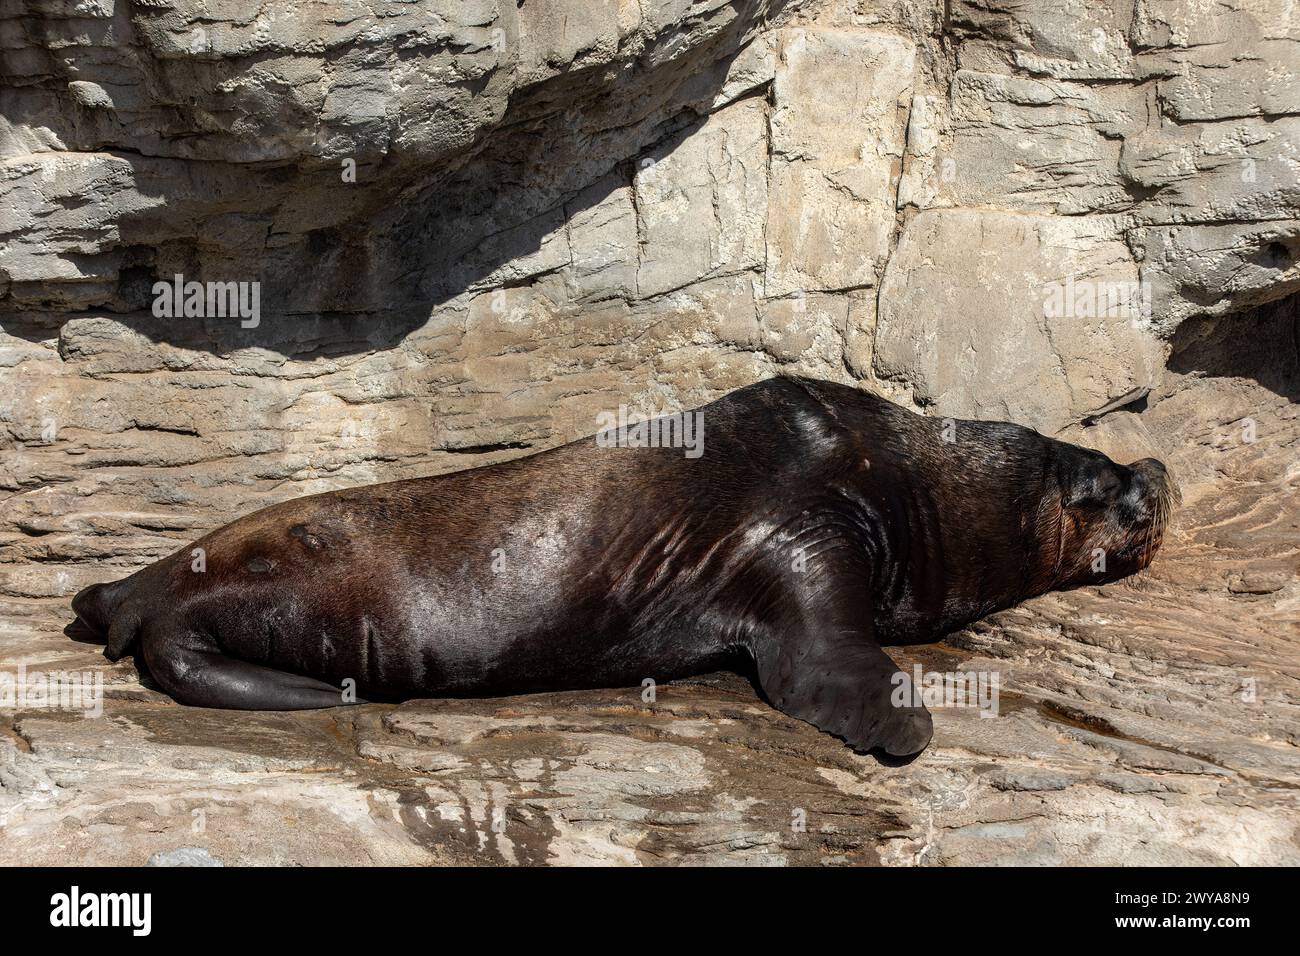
(1151, 721)
(476, 225)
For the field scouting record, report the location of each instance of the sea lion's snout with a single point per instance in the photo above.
(1153, 495)
(1150, 474)
(1113, 517)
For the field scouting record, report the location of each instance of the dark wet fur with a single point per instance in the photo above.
(623, 564)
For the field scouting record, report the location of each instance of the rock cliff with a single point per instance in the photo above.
(475, 224)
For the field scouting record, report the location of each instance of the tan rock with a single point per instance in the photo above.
(838, 131)
(701, 201)
(1039, 323)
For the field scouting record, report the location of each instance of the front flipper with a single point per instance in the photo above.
(204, 677)
(818, 661)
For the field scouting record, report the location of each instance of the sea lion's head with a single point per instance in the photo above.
(1109, 518)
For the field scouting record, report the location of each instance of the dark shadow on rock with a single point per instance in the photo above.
(1262, 344)
(413, 236)
(886, 759)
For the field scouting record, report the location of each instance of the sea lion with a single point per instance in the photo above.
(818, 523)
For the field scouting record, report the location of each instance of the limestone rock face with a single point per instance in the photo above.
(1056, 350)
(839, 123)
(473, 225)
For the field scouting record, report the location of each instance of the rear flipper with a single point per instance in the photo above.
(105, 618)
(90, 606)
(818, 661)
(204, 677)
